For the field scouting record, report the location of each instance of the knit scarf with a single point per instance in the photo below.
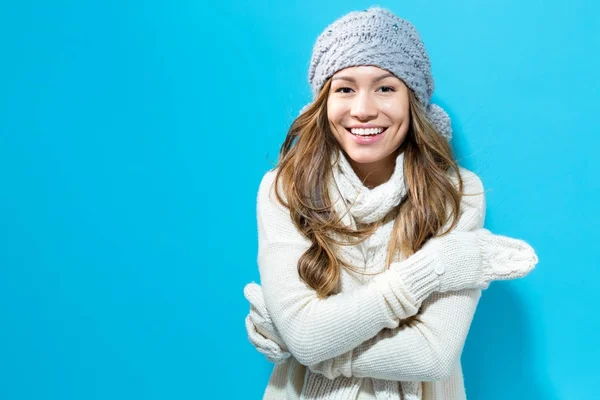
(367, 205)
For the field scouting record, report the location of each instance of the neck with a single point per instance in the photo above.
(375, 173)
(368, 205)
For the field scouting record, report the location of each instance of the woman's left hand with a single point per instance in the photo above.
(262, 333)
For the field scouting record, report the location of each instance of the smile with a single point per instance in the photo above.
(366, 132)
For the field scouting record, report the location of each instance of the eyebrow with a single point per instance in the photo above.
(351, 79)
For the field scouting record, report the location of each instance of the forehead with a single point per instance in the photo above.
(362, 72)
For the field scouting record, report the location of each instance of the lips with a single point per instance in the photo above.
(375, 134)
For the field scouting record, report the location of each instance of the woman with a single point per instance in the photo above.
(372, 252)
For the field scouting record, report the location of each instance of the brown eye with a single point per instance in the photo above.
(391, 89)
(342, 88)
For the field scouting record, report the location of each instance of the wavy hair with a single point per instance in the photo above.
(304, 171)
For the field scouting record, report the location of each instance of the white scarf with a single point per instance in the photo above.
(370, 205)
(366, 206)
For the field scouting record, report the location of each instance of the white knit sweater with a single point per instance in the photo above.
(351, 344)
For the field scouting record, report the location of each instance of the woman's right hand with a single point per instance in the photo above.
(475, 258)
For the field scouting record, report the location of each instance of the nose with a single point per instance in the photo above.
(363, 107)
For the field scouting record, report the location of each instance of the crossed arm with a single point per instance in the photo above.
(424, 349)
(358, 333)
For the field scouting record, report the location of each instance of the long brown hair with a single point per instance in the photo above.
(304, 170)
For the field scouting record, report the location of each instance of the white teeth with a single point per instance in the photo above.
(370, 131)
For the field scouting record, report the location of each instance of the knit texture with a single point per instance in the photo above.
(377, 37)
(364, 341)
(368, 205)
(361, 326)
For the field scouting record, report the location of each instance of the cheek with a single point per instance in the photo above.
(395, 110)
(332, 109)
(334, 114)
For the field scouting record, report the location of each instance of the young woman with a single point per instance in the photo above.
(372, 252)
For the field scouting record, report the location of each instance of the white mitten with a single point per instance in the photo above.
(472, 259)
(464, 260)
(505, 258)
(262, 333)
(485, 257)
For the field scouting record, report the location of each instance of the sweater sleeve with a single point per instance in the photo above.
(317, 329)
(424, 349)
(428, 346)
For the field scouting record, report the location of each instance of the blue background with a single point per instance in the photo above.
(133, 136)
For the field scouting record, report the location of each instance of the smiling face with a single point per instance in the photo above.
(377, 101)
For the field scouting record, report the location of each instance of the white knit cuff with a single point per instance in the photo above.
(418, 274)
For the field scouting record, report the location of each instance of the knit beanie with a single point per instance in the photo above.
(379, 38)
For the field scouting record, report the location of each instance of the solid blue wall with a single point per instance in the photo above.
(133, 136)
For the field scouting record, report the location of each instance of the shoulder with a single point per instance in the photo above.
(267, 181)
(472, 204)
(274, 221)
(266, 190)
(472, 183)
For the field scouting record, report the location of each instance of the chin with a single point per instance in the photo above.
(365, 156)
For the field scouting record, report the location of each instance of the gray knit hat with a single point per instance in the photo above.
(377, 37)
